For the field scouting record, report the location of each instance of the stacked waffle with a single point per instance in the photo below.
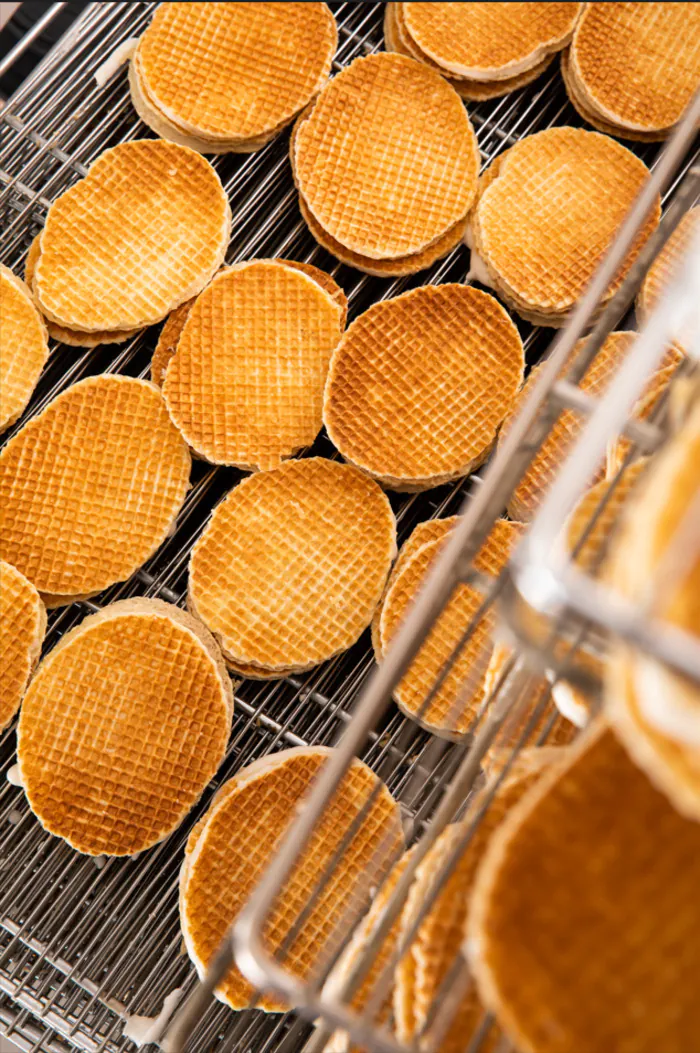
(22, 628)
(23, 347)
(386, 164)
(223, 78)
(484, 50)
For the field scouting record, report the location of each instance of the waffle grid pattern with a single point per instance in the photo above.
(22, 625)
(23, 348)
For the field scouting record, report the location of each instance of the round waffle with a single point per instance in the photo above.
(593, 877)
(245, 386)
(114, 745)
(635, 66)
(293, 563)
(276, 57)
(387, 161)
(23, 347)
(664, 267)
(145, 230)
(420, 384)
(534, 229)
(589, 539)
(229, 850)
(451, 710)
(22, 628)
(91, 486)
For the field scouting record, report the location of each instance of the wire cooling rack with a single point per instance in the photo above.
(82, 943)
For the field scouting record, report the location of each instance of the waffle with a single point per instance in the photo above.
(589, 539)
(665, 265)
(245, 386)
(592, 877)
(654, 403)
(144, 231)
(451, 711)
(278, 56)
(293, 563)
(580, 103)
(71, 336)
(23, 347)
(91, 486)
(229, 851)
(114, 746)
(387, 161)
(420, 384)
(534, 228)
(636, 66)
(22, 628)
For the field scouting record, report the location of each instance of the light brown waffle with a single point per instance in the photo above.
(71, 336)
(647, 406)
(590, 540)
(23, 347)
(22, 628)
(277, 56)
(420, 384)
(387, 161)
(91, 486)
(664, 267)
(489, 41)
(534, 227)
(592, 877)
(144, 231)
(579, 101)
(452, 709)
(637, 65)
(114, 746)
(293, 563)
(230, 849)
(245, 386)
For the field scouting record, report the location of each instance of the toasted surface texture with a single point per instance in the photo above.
(293, 563)
(420, 384)
(103, 453)
(123, 726)
(22, 628)
(144, 231)
(23, 347)
(666, 264)
(229, 850)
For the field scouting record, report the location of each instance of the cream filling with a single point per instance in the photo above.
(116, 60)
(144, 1029)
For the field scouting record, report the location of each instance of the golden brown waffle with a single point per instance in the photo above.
(277, 56)
(91, 486)
(420, 384)
(592, 877)
(664, 267)
(114, 746)
(230, 849)
(452, 709)
(387, 161)
(593, 521)
(245, 386)
(23, 347)
(22, 628)
(579, 101)
(649, 405)
(71, 336)
(637, 65)
(145, 230)
(534, 228)
(293, 563)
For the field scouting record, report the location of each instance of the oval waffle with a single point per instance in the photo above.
(665, 266)
(534, 228)
(145, 230)
(22, 628)
(245, 386)
(91, 486)
(293, 563)
(229, 850)
(168, 341)
(420, 384)
(114, 745)
(387, 160)
(455, 704)
(23, 347)
(235, 71)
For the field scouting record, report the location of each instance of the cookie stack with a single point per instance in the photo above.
(22, 628)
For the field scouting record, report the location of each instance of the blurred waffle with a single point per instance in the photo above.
(229, 850)
(293, 563)
(23, 347)
(245, 386)
(233, 75)
(655, 402)
(533, 228)
(665, 266)
(22, 628)
(114, 746)
(145, 230)
(633, 68)
(420, 384)
(91, 486)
